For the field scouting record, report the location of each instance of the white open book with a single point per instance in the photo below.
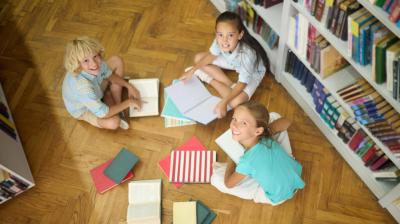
(149, 92)
(235, 150)
(144, 202)
(193, 100)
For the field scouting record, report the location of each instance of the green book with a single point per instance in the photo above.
(380, 55)
(121, 165)
(365, 148)
(204, 214)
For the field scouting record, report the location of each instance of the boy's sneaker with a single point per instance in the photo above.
(201, 75)
(123, 121)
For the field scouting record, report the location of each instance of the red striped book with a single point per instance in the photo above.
(191, 166)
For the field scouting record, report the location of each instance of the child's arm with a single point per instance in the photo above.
(232, 178)
(221, 107)
(206, 60)
(132, 91)
(115, 109)
(280, 124)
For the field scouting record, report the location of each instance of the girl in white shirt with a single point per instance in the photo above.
(233, 49)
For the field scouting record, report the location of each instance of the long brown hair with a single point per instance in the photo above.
(247, 38)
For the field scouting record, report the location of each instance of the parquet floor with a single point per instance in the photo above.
(157, 38)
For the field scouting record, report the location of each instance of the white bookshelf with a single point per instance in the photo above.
(12, 155)
(386, 193)
(341, 47)
(304, 99)
(270, 15)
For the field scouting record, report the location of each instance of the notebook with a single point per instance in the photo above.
(184, 212)
(144, 202)
(102, 182)
(170, 110)
(204, 214)
(149, 93)
(121, 165)
(193, 100)
(192, 144)
(191, 166)
(231, 147)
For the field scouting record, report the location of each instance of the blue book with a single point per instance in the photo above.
(364, 35)
(121, 165)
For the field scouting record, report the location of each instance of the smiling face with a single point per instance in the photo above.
(227, 36)
(244, 127)
(91, 64)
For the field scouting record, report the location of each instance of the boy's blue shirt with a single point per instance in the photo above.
(83, 92)
(278, 174)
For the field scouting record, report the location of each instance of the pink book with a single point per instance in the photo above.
(379, 163)
(193, 144)
(101, 181)
(191, 166)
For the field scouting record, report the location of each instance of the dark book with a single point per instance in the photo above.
(121, 165)
(374, 158)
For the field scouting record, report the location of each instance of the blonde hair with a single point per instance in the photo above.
(260, 114)
(78, 49)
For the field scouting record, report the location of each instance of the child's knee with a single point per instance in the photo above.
(199, 56)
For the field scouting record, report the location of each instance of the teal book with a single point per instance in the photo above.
(171, 111)
(204, 214)
(121, 165)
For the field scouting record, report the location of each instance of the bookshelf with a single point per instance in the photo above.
(387, 193)
(15, 175)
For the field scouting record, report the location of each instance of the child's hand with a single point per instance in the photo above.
(135, 103)
(187, 75)
(221, 109)
(133, 92)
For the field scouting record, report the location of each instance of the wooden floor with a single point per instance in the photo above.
(157, 38)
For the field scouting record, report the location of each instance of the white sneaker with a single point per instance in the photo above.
(123, 121)
(201, 75)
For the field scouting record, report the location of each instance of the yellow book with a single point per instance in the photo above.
(184, 212)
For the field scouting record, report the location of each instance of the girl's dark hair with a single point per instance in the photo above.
(247, 38)
(260, 114)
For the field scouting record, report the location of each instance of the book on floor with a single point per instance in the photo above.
(192, 144)
(204, 214)
(144, 202)
(231, 147)
(193, 100)
(101, 181)
(184, 212)
(121, 165)
(149, 93)
(191, 166)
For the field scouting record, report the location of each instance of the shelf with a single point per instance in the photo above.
(219, 4)
(304, 99)
(337, 81)
(388, 200)
(395, 211)
(272, 15)
(341, 47)
(381, 15)
(271, 53)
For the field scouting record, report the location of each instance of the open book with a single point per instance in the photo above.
(144, 202)
(193, 100)
(149, 93)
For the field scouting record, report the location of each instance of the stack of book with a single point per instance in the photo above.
(373, 157)
(192, 212)
(6, 125)
(172, 116)
(392, 7)
(371, 110)
(10, 185)
(189, 163)
(257, 24)
(114, 171)
(326, 106)
(313, 47)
